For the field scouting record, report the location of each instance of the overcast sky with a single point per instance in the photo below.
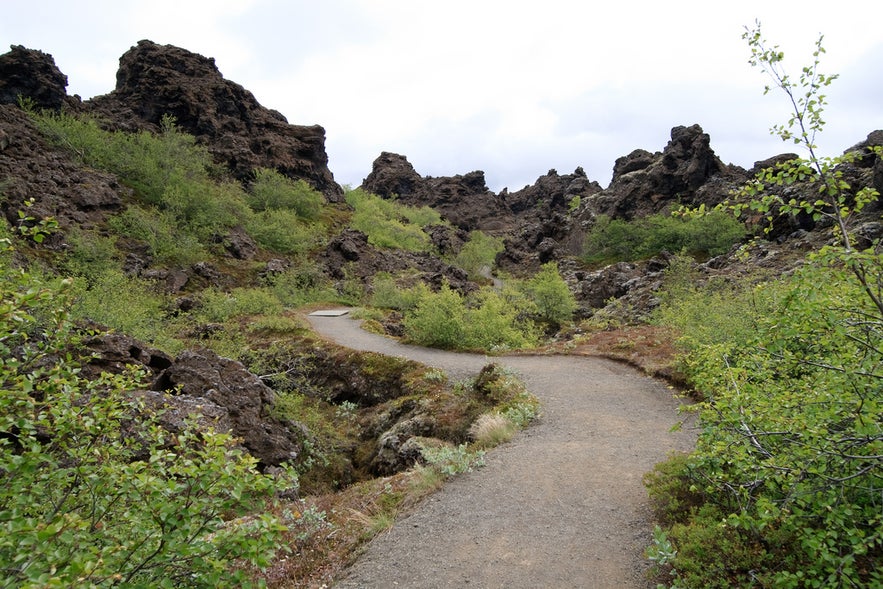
(509, 87)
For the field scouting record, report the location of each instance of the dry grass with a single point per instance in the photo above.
(649, 348)
(355, 515)
(491, 429)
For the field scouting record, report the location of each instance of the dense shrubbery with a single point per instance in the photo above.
(90, 497)
(786, 483)
(487, 319)
(615, 240)
(478, 255)
(389, 224)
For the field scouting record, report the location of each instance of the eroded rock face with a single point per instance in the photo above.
(156, 80)
(30, 168)
(33, 75)
(207, 378)
(645, 183)
(463, 200)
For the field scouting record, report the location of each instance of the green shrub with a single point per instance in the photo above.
(205, 208)
(90, 497)
(553, 302)
(146, 161)
(161, 232)
(486, 320)
(710, 312)
(386, 293)
(615, 240)
(271, 190)
(389, 224)
(281, 230)
(490, 322)
(89, 254)
(125, 304)
(479, 254)
(302, 284)
(219, 306)
(438, 320)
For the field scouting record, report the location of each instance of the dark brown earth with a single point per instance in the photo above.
(562, 505)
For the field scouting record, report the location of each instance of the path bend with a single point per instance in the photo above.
(560, 506)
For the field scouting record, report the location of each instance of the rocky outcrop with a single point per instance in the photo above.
(32, 75)
(464, 201)
(198, 384)
(157, 80)
(349, 255)
(645, 183)
(545, 212)
(204, 378)
(869, 160)
(30, 168)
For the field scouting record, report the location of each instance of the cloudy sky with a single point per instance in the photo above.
(510, 87)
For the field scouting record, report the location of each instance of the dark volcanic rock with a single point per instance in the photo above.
(202, 374)
(114, 352)
(645, 183)
(31, 74)
(349, 255)
(30, 168)
(545, 230)
(156, 80)
(464, 200)
(869, 160)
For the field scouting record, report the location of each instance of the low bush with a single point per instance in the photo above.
(552, 301)
(387, 293)
(219, 306)
(616, 240)
(479, 254)
(162, 234)
(270, 190)
(389, 224)
(126, 304)
(485, 320)
(91, 497)
(282, 231)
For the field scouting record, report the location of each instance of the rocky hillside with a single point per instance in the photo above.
(543, 222)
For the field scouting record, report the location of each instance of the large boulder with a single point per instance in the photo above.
(203, 377)
(157, 80)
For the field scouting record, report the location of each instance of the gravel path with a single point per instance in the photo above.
(561, 506)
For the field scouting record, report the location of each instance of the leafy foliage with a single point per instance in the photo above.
(788, 469)
(551, 297)
(389, 224)
(182, 205)
(486, 320)
(615, 240)
(273, 191)
(92, 497)
(478, 254)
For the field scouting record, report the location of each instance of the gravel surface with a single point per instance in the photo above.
(561, 506)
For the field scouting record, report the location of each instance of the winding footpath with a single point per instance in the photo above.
(561, 506)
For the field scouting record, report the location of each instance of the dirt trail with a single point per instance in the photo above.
(561, 506)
